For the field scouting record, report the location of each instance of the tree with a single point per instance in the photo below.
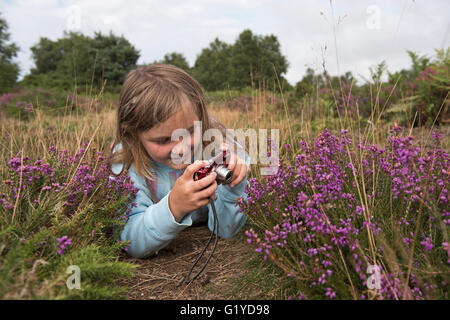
(309, 83)
(348, 78)
(251, 58)
(47, 54)
(256, 58)
(83, 59)
(115, 57)
(9, 70)
(212, 66)
(245, 56)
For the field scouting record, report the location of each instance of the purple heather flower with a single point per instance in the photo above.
(63, 243)
(360, 210)
(330, 293)
(427, 244)
(407, 241)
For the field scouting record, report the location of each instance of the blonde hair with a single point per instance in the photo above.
(150, 95)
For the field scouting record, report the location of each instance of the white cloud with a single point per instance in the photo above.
(304, 28)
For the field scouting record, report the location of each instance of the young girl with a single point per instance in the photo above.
(154, 101)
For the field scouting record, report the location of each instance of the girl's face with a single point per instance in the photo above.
(159, 145)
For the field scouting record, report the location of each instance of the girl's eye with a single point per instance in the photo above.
(163, 141)
(167, 140)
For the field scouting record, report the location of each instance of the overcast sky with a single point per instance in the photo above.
(365, 31)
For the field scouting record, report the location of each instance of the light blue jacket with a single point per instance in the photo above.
(151, 226)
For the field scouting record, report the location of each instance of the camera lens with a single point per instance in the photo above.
(224, 175)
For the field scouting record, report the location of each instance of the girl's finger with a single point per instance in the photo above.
(232, 162)
(203, 202)
(204, 182)
(238, 168)
(208, 191)
(235, 173)
(192, 168)
(240, 176)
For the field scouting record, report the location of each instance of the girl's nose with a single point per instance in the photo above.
(182, 152)
(182, 149)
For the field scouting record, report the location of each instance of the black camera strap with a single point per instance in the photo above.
(215, 231)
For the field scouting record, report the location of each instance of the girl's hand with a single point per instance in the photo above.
(188, 195)
(237, 165)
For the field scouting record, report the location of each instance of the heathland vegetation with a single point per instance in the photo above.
(359, 208)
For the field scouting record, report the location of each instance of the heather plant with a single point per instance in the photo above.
(20, 104)
(346, 219)
(60, 212)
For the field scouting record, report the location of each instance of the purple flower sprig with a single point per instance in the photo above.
(63, 243)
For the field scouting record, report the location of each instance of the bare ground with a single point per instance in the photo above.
(159, 276)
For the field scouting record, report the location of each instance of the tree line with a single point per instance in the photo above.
(84, 60)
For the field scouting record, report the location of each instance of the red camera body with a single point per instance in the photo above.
(216, 164)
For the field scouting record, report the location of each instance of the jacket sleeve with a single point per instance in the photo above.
(230, 218)
(150, 226)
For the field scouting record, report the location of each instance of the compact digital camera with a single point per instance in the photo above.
(217, 164)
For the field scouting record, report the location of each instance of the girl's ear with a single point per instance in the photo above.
(128, 138)
(127, 132)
